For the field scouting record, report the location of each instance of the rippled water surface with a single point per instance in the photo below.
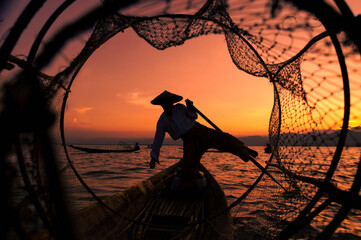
(109, 173)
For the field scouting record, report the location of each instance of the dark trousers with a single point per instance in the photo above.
(199, 139)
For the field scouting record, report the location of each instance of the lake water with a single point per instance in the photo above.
(109, 173)
(268, 208)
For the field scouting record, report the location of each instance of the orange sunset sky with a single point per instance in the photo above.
(112, 93)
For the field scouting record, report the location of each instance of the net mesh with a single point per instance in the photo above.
(294, 52)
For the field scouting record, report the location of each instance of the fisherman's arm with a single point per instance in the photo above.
(157, 143)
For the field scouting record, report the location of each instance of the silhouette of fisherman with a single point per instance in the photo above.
(179, 121)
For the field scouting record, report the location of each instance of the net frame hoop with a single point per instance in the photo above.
(78, 68)
(341, 149)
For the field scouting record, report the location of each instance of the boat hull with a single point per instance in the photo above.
(144, 211)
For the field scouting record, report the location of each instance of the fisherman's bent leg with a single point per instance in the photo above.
(191, 160)
(193, 149)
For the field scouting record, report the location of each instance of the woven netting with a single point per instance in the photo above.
(292, 51)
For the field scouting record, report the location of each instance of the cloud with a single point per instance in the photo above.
(76, 122)
(83, 110)
(140, 98)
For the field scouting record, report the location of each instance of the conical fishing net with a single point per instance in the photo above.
(314, 127)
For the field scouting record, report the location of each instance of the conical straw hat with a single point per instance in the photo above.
(166, 97)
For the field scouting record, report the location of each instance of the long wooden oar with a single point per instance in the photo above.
(250, 157)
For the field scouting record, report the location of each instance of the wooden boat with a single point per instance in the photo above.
(99, 150)
(146, 211)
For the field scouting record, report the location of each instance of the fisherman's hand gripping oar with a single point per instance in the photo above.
(252, 153)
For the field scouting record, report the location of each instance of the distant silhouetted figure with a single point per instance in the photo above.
(179, 121)
(268, 148)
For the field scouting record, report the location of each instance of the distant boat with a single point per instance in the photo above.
(215, 151)
(212, 150)
(268, 148)
(146, 211)
(122, 147)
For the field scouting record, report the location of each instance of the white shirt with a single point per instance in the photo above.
(181, 121)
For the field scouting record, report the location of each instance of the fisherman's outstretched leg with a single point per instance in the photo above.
(228, 143)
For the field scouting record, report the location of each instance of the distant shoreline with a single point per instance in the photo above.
(249, 140)
(329, 138)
